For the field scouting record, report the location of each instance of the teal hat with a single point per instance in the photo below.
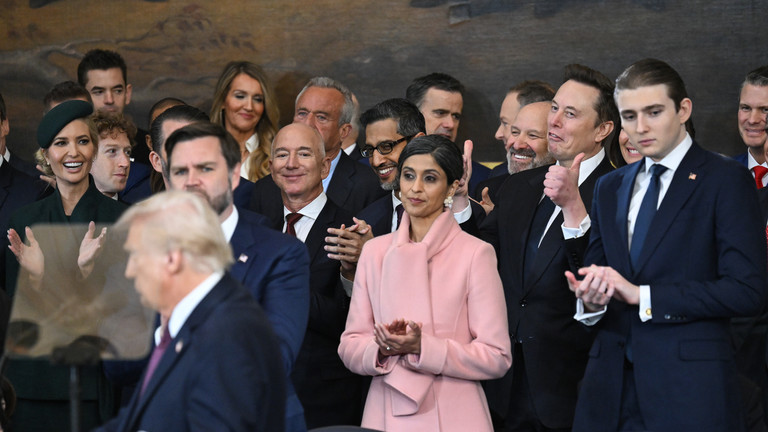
(58, 117)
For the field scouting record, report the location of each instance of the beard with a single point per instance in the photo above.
(515, 167)
(218, 203)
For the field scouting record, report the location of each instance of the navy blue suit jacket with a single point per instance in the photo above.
(705, 262)
(220, 373)
(137, 187)
(274, 267)
(742, 158)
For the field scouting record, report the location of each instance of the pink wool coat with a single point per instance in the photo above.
(449, 283)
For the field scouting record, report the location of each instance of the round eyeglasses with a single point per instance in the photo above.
(384, 147)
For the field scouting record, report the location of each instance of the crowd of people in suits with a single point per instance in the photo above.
(361, 269)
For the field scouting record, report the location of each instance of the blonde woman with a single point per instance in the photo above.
(244, 103)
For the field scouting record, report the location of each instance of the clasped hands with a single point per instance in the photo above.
(599, 285)
(31, 258)
(346, 243)
(398, 338)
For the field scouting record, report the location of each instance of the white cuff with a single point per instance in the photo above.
(588, 318)
(571, 233)
(645, 303)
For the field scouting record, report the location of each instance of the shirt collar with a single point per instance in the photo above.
(751, 162)
(672, 160)
(589, 165)
(229, 224)
(252, 143)
(311, 210)
(7, 155)
(395, 202)
(187, 305)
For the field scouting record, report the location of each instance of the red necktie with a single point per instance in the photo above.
(290, 221)
(154, 360)
(760, 172)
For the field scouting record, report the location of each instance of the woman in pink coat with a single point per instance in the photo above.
(428, 319)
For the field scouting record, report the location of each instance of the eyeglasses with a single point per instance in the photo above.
(384, 147)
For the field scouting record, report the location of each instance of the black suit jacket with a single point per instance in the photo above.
(222, 371)
(540, 305)
(328, 391)
(17, 189)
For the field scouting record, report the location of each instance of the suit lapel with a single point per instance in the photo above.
(533, 196)
(623, 197)
(241, 240)
(316, 237)
(5, 181)
(341, 183)
(180, 344)
(680, 189)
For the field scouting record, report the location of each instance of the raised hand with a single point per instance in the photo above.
(30, 256)
(90, 249)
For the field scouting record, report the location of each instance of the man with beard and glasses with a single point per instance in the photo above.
(204, 159)
(528, 228)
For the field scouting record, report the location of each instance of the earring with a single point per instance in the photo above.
(448, 201)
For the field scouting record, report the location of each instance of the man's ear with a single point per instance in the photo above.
(235, 176)
(603, 131)
(686, 108)
(128, 91)
(174, 261)
(344, 131)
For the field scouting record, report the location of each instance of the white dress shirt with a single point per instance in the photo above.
(187, 305)
(309, 214)
(251, 144)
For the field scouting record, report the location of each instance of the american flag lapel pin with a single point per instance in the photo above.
(691, 176)
(242, 258)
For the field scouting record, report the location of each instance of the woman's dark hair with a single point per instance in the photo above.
(445, 152)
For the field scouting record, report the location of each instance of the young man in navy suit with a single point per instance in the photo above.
(203, 158)
(677, 248)
(215, 365)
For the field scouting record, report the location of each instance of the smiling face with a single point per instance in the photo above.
(385, 166)
(297, 165)
(628, 151)
(649, 117)
(199, 166)
(244, 105)
(108, 90)
(442, 112)
(424, 187)
(753, 109)
(573, 123)
(71, 154)
(527, 143)
(111, 166)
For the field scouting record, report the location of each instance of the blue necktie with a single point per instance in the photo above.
(646, 213)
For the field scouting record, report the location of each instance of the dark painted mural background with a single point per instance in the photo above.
(178, 47)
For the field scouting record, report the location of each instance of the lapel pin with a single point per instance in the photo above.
(242, 258)
(691, 176)
(179, 346)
